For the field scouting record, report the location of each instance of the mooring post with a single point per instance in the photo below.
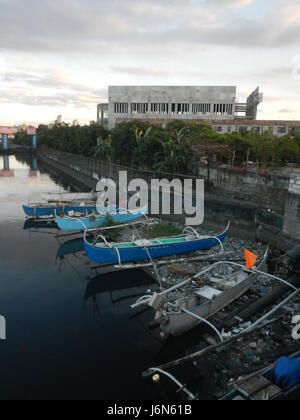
(2, 328)
(34, 142)
(34, 163)
(4, 141)
(6, 162)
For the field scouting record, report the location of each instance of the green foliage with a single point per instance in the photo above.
(23, 139)
(110, 221)
(75, 139)
(139, 144)
(161, 230)
(113, 234)
(124, 140)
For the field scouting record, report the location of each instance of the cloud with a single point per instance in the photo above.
(143, 25)
(27, 87)
(140, 71)
(287, 111)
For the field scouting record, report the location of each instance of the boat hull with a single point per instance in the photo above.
(178, 323)
(31, 211)
(265, 385)
(139, 253)
(70, 224)
(69, 197)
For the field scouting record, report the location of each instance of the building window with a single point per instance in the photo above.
(243, 129)
(201, 108)
(183, 108)
(139, 108)
(223, 109)
(255, 130)
(120, 108)
(159, 108)
(282, 130)
(229, 130)
(219, 129)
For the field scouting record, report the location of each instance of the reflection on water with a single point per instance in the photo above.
(71, 333)
(56, 347)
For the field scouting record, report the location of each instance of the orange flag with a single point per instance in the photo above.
(250, 259)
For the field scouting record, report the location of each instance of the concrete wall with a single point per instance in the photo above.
(259, 205)
(170, 95)
(262, 188)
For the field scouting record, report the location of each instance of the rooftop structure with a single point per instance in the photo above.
(173, 102)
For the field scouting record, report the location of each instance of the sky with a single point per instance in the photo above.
(60, 56)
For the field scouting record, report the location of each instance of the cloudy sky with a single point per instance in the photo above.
(59, 56)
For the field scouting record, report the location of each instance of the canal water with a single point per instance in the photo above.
(70, 333)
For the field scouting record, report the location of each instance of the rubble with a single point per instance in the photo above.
(259, 349)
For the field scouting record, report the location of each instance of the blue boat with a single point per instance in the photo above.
(96, 221)
(43, 210)
(267, 384)
(102, 252)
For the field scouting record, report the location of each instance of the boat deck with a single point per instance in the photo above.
(143, 243)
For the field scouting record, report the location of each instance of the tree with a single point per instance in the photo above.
(124, 141)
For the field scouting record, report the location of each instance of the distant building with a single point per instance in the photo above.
(58, 120)
(176, 102)
(278, 128)
(75, 123)
(102, 115)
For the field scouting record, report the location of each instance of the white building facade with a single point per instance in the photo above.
(171, 102)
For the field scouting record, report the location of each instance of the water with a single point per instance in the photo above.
(68, 337)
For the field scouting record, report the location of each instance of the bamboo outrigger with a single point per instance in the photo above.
(178, 314)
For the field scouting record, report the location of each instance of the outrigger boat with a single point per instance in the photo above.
(95, 221)
(48, 209)
(188, 304)
(101, 251)
(277, 382)
(67, 197)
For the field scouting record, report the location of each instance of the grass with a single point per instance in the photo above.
(161, 230)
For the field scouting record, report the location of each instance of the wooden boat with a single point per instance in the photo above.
(102, 252)
(262, 386)
(96, 221)
(47, 209)
(204, 299)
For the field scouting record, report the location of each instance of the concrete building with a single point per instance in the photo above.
(58, 119)
(173, 102)
(102, 115)
(278, 128)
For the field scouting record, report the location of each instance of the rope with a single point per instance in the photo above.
(154, 265)
(206, 322)
(221, 245)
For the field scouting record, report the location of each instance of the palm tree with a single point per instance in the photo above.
(175, 151)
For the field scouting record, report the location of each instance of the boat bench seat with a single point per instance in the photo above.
(144, 242)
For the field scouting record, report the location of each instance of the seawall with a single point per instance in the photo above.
(260, 205)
